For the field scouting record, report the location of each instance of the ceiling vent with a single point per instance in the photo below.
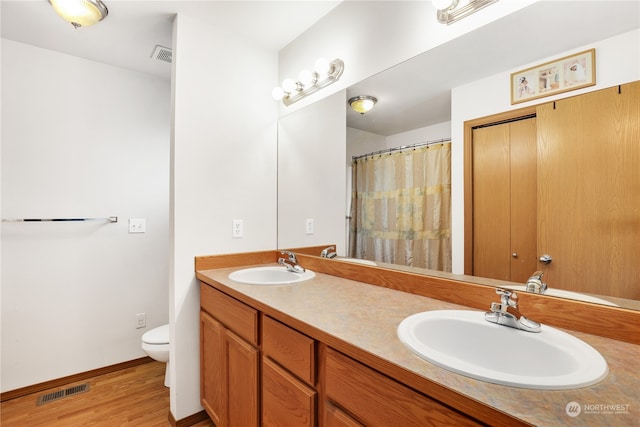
(161, 53)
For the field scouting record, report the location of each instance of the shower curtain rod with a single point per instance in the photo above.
(110, 219)
(403, 147)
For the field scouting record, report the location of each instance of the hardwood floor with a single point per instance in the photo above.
(131, 397)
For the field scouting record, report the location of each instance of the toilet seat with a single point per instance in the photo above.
(157, 336)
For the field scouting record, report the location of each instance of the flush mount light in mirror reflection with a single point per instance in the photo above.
(80, 13)
(428, 95)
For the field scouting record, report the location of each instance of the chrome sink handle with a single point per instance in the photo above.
(506, 313)
(535, 284)
(291, 262)
(507, 299)
(290, 256)
(329, 252)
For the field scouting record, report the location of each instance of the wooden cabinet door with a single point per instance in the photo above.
(286, 401)
(589, 207)
(242, 362)
(213, 369)
(504, 200)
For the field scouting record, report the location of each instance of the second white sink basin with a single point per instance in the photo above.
(270, 275)
(464, 342)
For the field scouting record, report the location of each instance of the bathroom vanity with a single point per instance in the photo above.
(325, 352)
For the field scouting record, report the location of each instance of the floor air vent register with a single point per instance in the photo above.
(61, 394)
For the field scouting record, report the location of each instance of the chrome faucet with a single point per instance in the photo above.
(535, 283)
(329, 252)
(291, 262)
(506, 313)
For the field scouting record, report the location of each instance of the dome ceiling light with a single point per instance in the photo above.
(363, 103)
(80, 13)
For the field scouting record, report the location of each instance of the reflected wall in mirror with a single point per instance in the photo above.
(311, 186)
(471, 94)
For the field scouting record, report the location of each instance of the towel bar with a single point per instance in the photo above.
(110, 219)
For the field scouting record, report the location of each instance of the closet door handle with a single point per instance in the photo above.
(545, 259)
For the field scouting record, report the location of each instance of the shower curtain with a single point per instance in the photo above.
(401, 207)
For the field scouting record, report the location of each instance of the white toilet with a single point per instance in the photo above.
(156, 344)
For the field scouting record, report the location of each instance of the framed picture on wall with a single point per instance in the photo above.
(561, 75)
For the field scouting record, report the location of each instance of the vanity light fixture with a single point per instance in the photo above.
(450, 11)
(80, 13)
(362, 103)
(308, 82)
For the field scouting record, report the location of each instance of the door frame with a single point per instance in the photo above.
(469, 125)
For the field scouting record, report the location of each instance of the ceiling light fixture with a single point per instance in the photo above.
(80, 13)
(450, 11)
(309, 82)
(363, 103)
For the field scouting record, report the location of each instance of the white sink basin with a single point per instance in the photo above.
(464, 342)
(272, 275)
(555, 292)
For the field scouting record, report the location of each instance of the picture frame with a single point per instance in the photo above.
(561, 75)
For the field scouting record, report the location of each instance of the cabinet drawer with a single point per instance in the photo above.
(290, 348)
(286, 401)
(377, 400)
(236, 316)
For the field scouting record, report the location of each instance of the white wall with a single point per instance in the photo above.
(310, 144)
(617, 62)
(80, 139)
(425, 134)
(224, 153)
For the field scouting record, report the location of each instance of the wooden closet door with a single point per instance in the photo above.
(491, 202)
(589, 191)
(524, 233)
(504, 200)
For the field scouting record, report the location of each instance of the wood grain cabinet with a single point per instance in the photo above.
(289, 397)
(256, 370)
(229, 362)
(367, 397)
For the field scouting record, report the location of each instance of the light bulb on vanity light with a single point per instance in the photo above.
(289, 85)
(307, 78)
(277, 93)
(444, 4)
(322, 66)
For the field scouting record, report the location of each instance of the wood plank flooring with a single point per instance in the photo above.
(131, 397)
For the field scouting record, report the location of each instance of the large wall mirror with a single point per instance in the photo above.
(414, 106)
